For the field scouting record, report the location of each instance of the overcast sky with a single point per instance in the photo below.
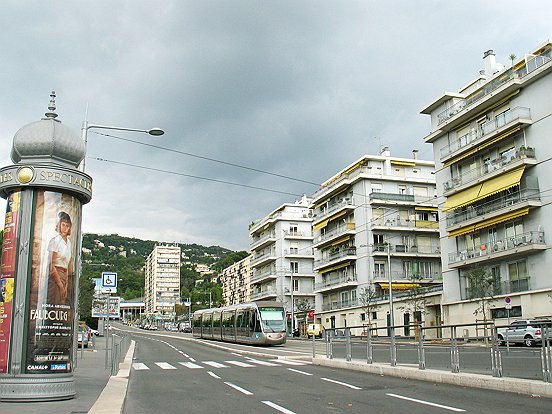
(299, 89)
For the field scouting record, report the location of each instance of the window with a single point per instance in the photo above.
(502, 313)
(295, 285)
(517, 273)
(376, 188)
(294, 267)
(293, 229)
(402, 189)
(379, 269)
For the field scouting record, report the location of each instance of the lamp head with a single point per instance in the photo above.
(156, 132)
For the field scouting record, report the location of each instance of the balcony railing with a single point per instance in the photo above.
(263, 294)
(403, 248)
(502, 245)
(333, 256)
(503, 288)
(264, 274)
(462, 215)
(260, 257)
(291, 234)
(487, 128)
(339, 304)
(345, 203)
(419, 224)
(335, 281)
(399, 275)
(338, 231)
(532, 64)
(260, 240)
(488, 168)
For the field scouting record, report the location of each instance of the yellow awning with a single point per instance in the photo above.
(338, 215)
(500, 183)
(481, 146)
(489, 222)
(485, 189)
(320, 225)
(400, 286)
(341, 240)
(462, 198)
(339, 266)
(433, 209)
(502, 218)
(405, 163)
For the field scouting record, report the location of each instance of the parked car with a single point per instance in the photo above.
(527, 331)
(314, 329)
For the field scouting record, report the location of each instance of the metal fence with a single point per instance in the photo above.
(445, 347)
(116, 347)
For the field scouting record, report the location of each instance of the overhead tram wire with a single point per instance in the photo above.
(207, 158)
(194, 176)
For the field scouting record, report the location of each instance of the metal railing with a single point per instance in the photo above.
(116, 351)
(426, 344)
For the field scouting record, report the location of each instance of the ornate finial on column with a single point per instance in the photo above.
(52, 106)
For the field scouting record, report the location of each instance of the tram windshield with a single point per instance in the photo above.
(273, 319)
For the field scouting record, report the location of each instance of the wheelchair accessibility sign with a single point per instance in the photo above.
(109, 282)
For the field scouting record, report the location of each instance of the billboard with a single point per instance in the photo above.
(7, 275)
(99, 307)
(52, 293)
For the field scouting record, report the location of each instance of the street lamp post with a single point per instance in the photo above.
(86, 126)
(391, 314)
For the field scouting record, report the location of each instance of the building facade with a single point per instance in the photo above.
(374, 222)
(282, 258)
(492, 162)
(235, 281)
(162, 281)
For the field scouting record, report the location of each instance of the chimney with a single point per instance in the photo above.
(491, 66)
(415, 154)
(385, 152)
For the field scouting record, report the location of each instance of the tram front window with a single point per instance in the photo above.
(273, 319)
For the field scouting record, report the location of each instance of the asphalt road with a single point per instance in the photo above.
(171, 375)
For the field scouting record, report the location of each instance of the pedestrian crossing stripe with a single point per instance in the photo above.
(190, 365)
(138, 366)
(165, 365)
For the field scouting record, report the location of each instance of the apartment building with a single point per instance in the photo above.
(162, 281)
(375, 221)
(235, 280)
(282, 257)
(493, 157)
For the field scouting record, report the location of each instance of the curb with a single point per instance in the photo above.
(112, 398)
(514, 385)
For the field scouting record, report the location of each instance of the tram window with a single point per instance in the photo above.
(197, 322)
(254, 323)
(216, 319)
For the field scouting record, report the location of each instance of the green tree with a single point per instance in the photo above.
(481, 288)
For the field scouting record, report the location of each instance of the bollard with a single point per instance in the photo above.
(421, 350)
(369, 348)
(348, 347)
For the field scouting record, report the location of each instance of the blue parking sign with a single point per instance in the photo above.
(109, 280)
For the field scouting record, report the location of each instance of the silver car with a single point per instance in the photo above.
(527, 331)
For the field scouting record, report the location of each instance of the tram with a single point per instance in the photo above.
(254, 323)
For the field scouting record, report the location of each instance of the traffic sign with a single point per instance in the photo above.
(507, 299)
(109, 282)
(508, 306)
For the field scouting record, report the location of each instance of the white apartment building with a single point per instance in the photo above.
(235, 281)
(282, 257)
(491, 141)
(375, 221)
(162, 281)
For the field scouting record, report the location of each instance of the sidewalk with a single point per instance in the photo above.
(91, 378)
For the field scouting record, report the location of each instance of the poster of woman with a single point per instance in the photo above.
(52, 293)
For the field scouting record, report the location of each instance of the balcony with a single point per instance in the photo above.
(307, 253)
(344, 204)
(521, 245)
(262, 242)
(398, 250)
(400, 276)
(403, 199)
(335, 257)
(503, 288)
(339, 305)
(301, 235)
(264, 294)
(474, 214)
(485, 131)
(494, 167)
(398, 224)
(264, 275)
(335, 282)
(263, 258)
(335, 233)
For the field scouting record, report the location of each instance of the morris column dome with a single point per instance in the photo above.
(48, 141)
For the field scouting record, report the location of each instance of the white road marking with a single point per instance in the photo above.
(191, 359)
(288, 362)
(354, 387)
(211, 373)
(139, 366)
(191, 365)
(164, 365)
(215, 364)
(266, 363)
(278, 407)
(186, 355)
(240, 389)
(426, 403)
(240, 364)
(299, 372)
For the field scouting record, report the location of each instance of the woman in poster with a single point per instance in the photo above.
(60, 251)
